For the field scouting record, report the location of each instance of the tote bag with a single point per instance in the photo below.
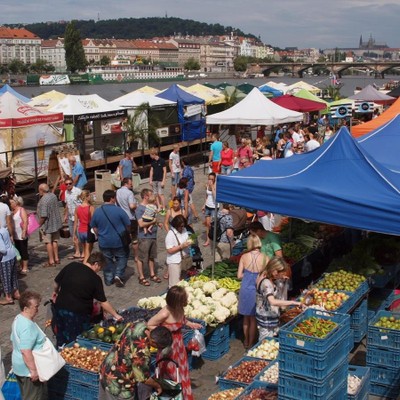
(33, 224)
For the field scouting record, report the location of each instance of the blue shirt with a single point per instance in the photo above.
(27, 337)
(141, 235)
(216, 148)
(77, 170)
(127, 167)
(189, 174)
(108, 228)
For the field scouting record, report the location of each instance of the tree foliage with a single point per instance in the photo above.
(74, 53)
(192, 65)
(133, 28)
(240, 63)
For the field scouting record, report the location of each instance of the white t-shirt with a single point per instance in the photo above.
(4, 213)
(311, 145)
(176, 162)
(297, 137)
(171, 241)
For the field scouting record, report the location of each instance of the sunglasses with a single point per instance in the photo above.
(68, 183)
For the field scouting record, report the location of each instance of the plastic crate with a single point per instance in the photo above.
(381, 280)
(236, 328)
(132, 314)
(385, 376)
(218, 335)
(64, 386)
(379, 357)
(86, 342)
(215, 351)
(359, 332)
(371, 315)
(229, 384)
(339, 393)
(257, 385)
(259, 343)
(387, 392)
(364, 374)
(309, 388)
(188, 333)
(294, 340)
(360, 314)
(383, 337)
(314, 365)
(268, 384)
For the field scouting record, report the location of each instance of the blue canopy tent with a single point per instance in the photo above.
(9, 89)
(383, 143)
(270, 90)
(338, 183)
(191, 112)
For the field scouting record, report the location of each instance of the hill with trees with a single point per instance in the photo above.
(132, 28)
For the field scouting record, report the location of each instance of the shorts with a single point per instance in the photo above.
(157, 188)
(175, 176)
(134, 230)
(215, 167)
(82, 237)
(208, 211)
(147, 250)
(71, 227)
(50, 237)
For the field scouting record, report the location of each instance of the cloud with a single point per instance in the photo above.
(307, 23)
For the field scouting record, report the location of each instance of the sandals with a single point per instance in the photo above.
(48, 265)
(143, 281)
(155, 278)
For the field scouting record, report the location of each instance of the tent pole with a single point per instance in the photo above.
(214, 243)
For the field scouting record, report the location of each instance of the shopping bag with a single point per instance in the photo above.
(33, 224)
(10, 388)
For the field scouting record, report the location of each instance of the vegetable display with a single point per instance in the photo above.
(289, 314)
(315, 327)
(80, 357)
(271, 374)
(328, 299)
(107, 335)
(267, 349)
(228, 283)
(261, 394)
(341, 280)
(229, 394)
(222, 269)
(353, 384)
(388, 322)
(245, 371)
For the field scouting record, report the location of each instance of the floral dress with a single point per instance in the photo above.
(179, 355)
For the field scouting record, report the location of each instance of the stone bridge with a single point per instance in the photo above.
(379, 68)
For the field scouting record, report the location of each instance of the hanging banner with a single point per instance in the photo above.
(364, 106)
(341, 111)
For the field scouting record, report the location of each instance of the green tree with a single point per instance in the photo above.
(39, 66)
(240, 63)
(105, 60)
(192, 64)
(16, 66)
(333, 92)
(74, 53)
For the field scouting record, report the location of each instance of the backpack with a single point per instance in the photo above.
(219, 230)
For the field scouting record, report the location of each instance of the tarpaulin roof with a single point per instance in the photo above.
(254, 109)
(375, 123)
(245, 87)
(14, 113)
(269, 89)
(369, 93)
(395, 92)
(298, 104)
(147, 89)
(135, 99)
(305, 94)
(383, 143)
(175, 93)
(295, 87)
(209, 95)
(338, 183)
(47, 100)
(8, 89)
(89, 107)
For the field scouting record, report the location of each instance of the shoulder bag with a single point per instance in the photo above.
(125, 236)
(33, 224)
(186, 262)
(47, 359)
(91, 236)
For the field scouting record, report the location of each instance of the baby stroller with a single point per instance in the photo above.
(195, 252)
(171, 390)
(241, 219)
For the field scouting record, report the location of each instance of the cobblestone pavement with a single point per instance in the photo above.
(41, 280)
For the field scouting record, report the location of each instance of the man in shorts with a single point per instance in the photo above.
(214, 158)
(158, 174)
(50, 222)
(175, 168)
(126, 200)
(147, 241)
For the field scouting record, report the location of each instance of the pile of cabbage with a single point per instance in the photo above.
(206, 301)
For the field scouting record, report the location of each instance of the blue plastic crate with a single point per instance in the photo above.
(309, 388)
(380, 357)
(360, 314)
(386, 392)
(364, 374)
(215, 352)
(261, 374)
(339, 393)
(90, 343)
(385, 376)
(218, 335)
(383, 337)
(236, 327)
(371, 315)
(256, 385)
(311, 364)
(359, 332)
(62, 386)
(224, 383)
(381, 280)
(270, 339)
(294, 340)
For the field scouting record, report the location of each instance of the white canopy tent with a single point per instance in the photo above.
(254, 109)
(135, 99)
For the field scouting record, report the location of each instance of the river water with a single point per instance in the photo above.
(112, 91)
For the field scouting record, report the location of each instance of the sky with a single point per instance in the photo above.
(284, 23)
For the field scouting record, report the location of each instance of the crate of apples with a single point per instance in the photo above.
(81, 357)
(330, 300)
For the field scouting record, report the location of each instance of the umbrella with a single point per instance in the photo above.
(298, 104)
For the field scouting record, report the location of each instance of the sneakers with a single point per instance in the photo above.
(118, 282)
(162, 212)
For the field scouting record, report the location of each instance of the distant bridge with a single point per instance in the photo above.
(379, 68)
